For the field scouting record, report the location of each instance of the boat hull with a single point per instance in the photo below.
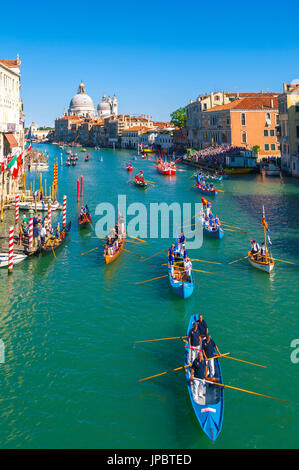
(219, 233)
(265, 267)
(109, 259)
(210, 409)
(207, 193)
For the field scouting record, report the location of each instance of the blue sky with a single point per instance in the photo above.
(155, 56)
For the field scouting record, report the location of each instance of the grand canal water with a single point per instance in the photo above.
(71, 370)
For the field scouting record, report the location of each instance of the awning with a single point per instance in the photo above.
(11, 140)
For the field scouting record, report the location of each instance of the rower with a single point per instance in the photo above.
(188, 268)
(209, 348)
(209, 205)
(198, 374)
(182, 240)
(263, 252)
(203, 327)
(195, 342)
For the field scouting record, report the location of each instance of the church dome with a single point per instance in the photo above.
(81, 104)
(103, 106)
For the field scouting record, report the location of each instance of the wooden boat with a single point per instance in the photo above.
(266, 266)
(85, 220)
(110, 258)
(83, 150)
(265, 263)
(40, 206)
(180, 287)
(17, 258)
(53, 244)
(129, 168)
(166, 169)
(204, 191)
(208, 410)
(140, 183)
(213, 233)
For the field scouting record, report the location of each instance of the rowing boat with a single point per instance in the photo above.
(53, 244)
(84, 221)
(17, 258)
(266, 266)
(139, 182)
(129, 168)
(166, 169)
(213, 233)
(208, 409)
(206, 192)
(113, 254)
(182, 288)
(40, 206)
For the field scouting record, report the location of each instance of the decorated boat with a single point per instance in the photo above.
(84, 219)
(40, 206)
(129, 167)
(140, 181)
(209, 408)
(54, 243)
(257, 260)
(165, 168)
(111, 251)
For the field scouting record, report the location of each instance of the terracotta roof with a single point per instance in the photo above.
(135, 128)
(250, 103)
(11, 63)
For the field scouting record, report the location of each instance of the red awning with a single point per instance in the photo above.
(11, 140)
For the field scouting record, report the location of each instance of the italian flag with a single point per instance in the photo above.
(13, 166)
(20, 160)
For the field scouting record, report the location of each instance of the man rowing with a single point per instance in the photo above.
(202, 326)
(209, 348)
(188, 268)
(194, 342)
(198, 374)
(182, 240)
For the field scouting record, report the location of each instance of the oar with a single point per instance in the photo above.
(246, 391)
(153, 279)
(52, 249)
(139, 239)
(160, 339)
(203, 261)
(90, 250)
(231, 230)
(230, 225)
(246, 362)
(155, 255)
(207, 272)
(283, 261)
(163, 373)
(220, 191)
(238, 260)
(132, 253)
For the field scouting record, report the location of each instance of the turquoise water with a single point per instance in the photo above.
(69, 325)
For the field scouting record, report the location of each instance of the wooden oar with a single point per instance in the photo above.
(132, 253)
(163, 373)
(231, 262)
(246, 362)
(160, 339)
(51, 244)
(283, 261)
(90, 250)
(203, 261)
(153, 279)
(139, 239)
(220, 191)
(207, 272)
(230, 225)
(231, 230)
(155, 255)
(246, 391)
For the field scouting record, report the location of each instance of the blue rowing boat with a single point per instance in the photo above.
(213, 233)
(182, 288)
(209, 409)
(204, 191)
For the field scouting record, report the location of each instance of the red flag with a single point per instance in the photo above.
(264, 222)
(20, 160)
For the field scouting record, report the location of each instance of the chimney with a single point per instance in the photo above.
(261, 92)
(272, 103)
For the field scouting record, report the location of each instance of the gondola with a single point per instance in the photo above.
(53, 244)
(265, 263)
(85, 220)
(181, 287)
(209, 409)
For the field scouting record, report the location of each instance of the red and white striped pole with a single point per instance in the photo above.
(17, 208)
(49, 215)
(10, 249)
(64, 212)
(30, 234)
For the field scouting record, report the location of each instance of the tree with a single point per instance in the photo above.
(179, 117)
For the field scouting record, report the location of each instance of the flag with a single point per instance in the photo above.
(264, 222)
(20, 160)
(269, 240)
(13, 166)
(204, 201)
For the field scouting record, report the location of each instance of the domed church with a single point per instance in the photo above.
(81, 104)
(107, 107)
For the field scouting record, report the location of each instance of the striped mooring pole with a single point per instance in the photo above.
(64, 212)
(30, 234)
(10, 250)
(50, 214)
(17, 207)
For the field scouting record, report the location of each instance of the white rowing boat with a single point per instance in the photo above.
(40, 206)
(17, 258)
